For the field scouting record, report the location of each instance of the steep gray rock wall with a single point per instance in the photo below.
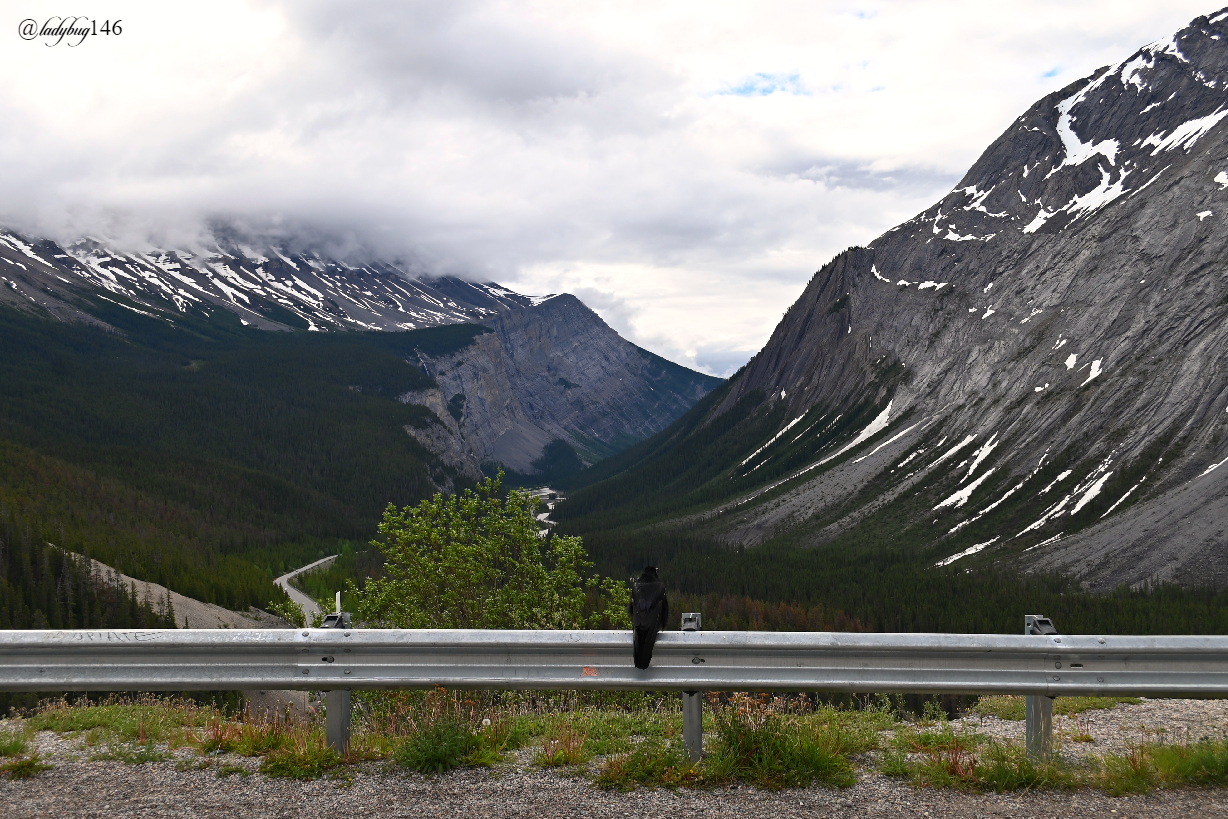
(1069, 296)
(556, 370)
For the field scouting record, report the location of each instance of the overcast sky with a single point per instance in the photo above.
(681, 167)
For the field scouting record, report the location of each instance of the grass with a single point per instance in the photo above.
(773, 743)
(654, 763)
(971, 762)
(230, 769)
(768, 742)
(24, 768)
(604, 731)
(13, 743)
(306, 755)
(441, 730)
(437, 747)
(565, 745)
(1013, 708)
(622, 744)
(944, 757)
(1147, 766)
(132, 754)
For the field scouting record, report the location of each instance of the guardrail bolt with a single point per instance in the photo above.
(1039, 709)
(692, 703)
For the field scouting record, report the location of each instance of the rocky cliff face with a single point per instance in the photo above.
(1037, 365)
(553, 371)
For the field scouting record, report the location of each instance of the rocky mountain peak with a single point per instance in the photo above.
(1068, 299)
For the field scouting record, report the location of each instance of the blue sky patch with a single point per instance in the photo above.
(761, 85)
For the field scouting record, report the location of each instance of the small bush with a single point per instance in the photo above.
(442, 731)
(438, 746)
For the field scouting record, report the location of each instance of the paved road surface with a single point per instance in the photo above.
(306, 603)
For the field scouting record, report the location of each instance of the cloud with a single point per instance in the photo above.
(684, 173)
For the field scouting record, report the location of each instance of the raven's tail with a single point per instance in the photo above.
(642, 645)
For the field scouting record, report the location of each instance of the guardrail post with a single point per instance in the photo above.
(338, 727)
(1038, 709)
(692, 704)
(337, 721)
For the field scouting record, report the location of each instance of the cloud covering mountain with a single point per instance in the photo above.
(683, 170)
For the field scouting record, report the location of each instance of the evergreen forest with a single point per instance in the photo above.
(198, 453)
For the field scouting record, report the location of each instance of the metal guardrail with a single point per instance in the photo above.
(340, 659)
(320, 659)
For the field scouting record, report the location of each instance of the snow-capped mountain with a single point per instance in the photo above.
(1033, 370)
(550, 370)
(265, 285)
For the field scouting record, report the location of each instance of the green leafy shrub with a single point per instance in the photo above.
(475, 561)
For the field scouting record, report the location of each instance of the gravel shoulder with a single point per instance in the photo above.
(79, 787)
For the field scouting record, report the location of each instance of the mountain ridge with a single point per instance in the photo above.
(267, 287)
(1044, 347)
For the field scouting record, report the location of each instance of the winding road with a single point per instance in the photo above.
(309, 606)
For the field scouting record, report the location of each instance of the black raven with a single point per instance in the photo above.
(649, 612)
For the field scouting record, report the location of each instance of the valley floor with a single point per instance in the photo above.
(78, 787)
